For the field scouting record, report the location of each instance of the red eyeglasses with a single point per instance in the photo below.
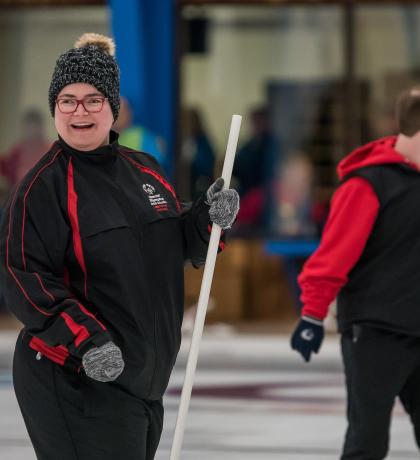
(91, 104)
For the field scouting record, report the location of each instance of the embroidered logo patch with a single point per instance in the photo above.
(149, 189)
(156, 199)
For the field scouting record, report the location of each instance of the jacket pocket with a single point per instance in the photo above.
(103, 242)
(150, 216)
(95, 226)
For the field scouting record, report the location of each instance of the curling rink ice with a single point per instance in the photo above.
(253, 399)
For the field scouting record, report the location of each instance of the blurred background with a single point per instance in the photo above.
(312, 80)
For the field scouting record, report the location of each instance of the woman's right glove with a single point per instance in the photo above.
(104, 363)
(224, 204)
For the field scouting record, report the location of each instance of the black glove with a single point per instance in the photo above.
(104, 363)
(224, 204)
(307, 337)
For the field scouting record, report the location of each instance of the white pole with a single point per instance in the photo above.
(203, 298)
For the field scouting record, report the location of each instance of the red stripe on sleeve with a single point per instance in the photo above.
(88, 313)
(24, 204)
(79, 331)
(74, 221)
(43, 288)
(57, 354)
(9, 268)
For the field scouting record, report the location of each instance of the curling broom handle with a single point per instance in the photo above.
(203, 298)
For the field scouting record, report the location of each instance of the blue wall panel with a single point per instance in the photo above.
(144, 31)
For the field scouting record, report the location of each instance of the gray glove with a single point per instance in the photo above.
(104, 363)
(224, 204)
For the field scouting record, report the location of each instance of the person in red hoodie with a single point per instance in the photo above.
(369, 259)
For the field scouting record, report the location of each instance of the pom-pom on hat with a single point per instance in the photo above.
(91, 61)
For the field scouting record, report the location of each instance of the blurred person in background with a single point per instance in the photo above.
(28, 150)
(368, 259)
(293, 196)
(20, 158)
(254, 171)
(320, 209)
(198, 153)
(138, 137)
(93, 251)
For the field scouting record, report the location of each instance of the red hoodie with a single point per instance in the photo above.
(354, 208)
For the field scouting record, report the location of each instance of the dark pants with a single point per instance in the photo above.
(72, 417)
(379, 366)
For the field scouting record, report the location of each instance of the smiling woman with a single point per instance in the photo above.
(91, 262)
(84, 116)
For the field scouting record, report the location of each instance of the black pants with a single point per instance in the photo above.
(379, 366)
(72, 417)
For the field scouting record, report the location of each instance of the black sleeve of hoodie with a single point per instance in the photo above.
(34, 236)
(196, 229)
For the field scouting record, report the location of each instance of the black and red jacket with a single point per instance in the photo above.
(367, 251)
(93, 246)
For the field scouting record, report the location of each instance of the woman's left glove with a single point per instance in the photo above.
(224, 204)
(104, 363)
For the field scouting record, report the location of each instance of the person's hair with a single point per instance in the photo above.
(33, 116)
(408, 111)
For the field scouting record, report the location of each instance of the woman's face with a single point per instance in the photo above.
(83, 130)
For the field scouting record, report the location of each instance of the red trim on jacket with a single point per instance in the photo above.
(24, 204)
(9, 268)
(77, 240)
(157, 176)
(44, 288)
(88, 313)
(353, 212)
(57, 354)
(163, 182)
(74, 222)
(80, 332)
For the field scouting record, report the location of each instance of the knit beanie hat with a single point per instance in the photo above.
(91, 61)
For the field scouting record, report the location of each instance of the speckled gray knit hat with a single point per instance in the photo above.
(91, 61)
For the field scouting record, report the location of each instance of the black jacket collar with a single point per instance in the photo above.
(102, 154)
